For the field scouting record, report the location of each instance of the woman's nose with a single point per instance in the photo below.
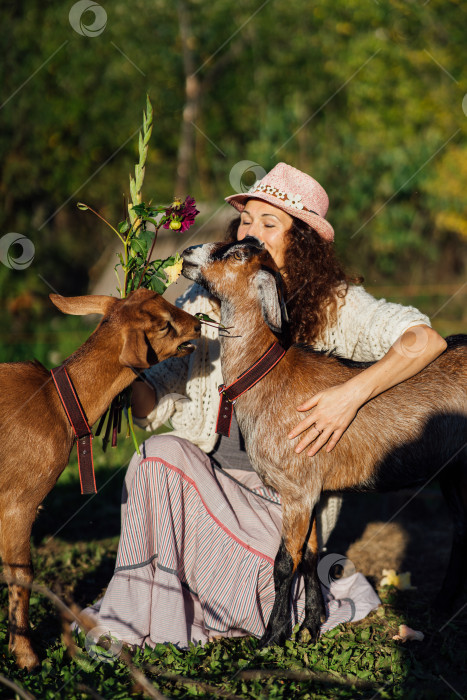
(254, 229)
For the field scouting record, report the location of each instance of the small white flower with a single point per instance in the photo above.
(293, 200)
(255, 187)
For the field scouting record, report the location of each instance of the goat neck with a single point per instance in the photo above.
(96, 372)
(248, 337)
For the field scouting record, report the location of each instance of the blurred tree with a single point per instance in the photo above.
(367, 97)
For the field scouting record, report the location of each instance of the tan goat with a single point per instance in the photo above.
(405, 437)
(36, 437)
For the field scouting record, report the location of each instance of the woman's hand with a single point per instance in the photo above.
(332, 412)
(334, 409)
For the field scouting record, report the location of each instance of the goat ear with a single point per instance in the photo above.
(269, 300)
(135, 350)
(80, 306)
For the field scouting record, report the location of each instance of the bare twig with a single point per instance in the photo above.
(90, 691)
(71, 614)
(206, 687)
(302, 675)
(141, 679)
(17, 688)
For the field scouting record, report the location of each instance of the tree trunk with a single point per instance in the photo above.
(186, 147)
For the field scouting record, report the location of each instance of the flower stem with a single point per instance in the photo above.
(132, 431)
(106, 222)
(148, 260)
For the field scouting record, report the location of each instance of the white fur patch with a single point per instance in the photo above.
(199, 254)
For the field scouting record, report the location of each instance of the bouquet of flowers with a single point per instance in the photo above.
(138, 234)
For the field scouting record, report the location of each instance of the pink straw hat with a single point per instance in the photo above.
(294, 192)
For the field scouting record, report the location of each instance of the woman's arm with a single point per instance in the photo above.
(334, 409)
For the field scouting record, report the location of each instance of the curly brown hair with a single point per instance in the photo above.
(314, 280)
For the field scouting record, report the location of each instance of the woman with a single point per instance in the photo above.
(199, 530)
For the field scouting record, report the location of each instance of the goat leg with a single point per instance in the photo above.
(16, 552)
(315, 611)
(295, 524)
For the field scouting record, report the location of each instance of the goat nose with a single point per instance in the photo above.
(191, 249)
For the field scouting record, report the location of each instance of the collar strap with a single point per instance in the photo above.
(251, 376)
(81, 429)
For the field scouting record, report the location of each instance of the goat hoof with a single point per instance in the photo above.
(309, 631)
(271, 637)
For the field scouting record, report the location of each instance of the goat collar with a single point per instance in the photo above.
(81, 429)
(251, 376)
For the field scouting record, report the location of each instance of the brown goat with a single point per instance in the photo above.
(405, 437)
(36, 437)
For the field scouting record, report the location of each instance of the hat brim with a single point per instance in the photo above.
(321, 226)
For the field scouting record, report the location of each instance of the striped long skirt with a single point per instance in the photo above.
(196, 554)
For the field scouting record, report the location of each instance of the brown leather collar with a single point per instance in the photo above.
(229, 394)
(81, 429)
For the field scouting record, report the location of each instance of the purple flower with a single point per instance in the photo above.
(180, 213)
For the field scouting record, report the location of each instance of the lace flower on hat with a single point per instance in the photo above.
(294, 201)
(256, 187)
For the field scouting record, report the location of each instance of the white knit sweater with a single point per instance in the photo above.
(365, 329)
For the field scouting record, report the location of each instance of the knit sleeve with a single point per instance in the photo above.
(170, 378)
(368, 327)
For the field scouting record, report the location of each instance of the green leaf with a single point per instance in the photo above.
(82, 206)
(139, 209)
(139, 246)
(157, 285)
(146, 236)
(204, 317)
(150, 220)
(123, 226)
(168, 262)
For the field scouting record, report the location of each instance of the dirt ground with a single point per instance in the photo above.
(400, 531)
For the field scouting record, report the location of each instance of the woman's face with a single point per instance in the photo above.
(269, 224)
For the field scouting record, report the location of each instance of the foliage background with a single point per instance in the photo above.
(368, 97)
